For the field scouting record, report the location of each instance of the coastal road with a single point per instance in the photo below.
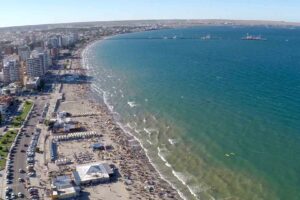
(20, 157)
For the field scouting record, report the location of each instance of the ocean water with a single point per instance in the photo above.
(219, 118)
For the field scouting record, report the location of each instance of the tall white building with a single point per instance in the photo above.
(38, 63)
(59, 40)
(34, 67)
(11, 71)
(68, 40)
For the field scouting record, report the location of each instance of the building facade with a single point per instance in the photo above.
(11, 71)
(34, 67)
(37, 64)
(24, 53)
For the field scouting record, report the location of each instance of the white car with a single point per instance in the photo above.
(20, 195)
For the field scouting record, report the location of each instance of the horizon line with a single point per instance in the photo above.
(272, 22)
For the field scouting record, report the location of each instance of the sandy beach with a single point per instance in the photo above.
(137, 178)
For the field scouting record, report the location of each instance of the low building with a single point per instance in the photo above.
(64, 188)
(92, 173)
(62, 123)
(11, 89)
(65, 125)
(5, 102)
(32, 83)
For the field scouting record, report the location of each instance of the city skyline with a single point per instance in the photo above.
(32, 12)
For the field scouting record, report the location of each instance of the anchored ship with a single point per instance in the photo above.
(253, 37)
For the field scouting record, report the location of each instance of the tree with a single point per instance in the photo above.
(6, 149)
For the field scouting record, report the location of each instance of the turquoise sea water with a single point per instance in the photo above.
(219, 118)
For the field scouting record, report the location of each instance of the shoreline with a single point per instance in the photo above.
(129, 135)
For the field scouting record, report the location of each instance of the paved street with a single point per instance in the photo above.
(20, 157)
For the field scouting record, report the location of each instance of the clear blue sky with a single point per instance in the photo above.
(25, 12)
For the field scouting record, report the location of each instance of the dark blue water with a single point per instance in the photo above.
(221, 117)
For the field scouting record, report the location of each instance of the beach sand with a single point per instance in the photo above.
(137, 178)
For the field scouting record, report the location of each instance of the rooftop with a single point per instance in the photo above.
(92, 171)
(5, 99)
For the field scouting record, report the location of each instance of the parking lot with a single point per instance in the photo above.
(20, 165)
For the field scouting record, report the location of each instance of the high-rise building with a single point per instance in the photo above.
(34, 67)
(44, 58)
(37, 64)
(53, 42)
(11, 71)
(24, 52)
(59, 40)
(69, 40)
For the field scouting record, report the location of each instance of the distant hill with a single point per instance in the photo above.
(169, 23)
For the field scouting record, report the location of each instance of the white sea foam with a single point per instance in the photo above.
(137, 130)
(150, 160)
(168, 165)
(147, 131)
(162, 157)
(154, 118)
(132, 104)
(150, 131)
(129, 126)
(149, 142)
(105, 99)
(172, 141)
(183, 178)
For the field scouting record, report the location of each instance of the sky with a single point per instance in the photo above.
(29, 12)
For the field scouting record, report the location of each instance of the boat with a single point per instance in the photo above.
(253, 37)
(207, 37)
